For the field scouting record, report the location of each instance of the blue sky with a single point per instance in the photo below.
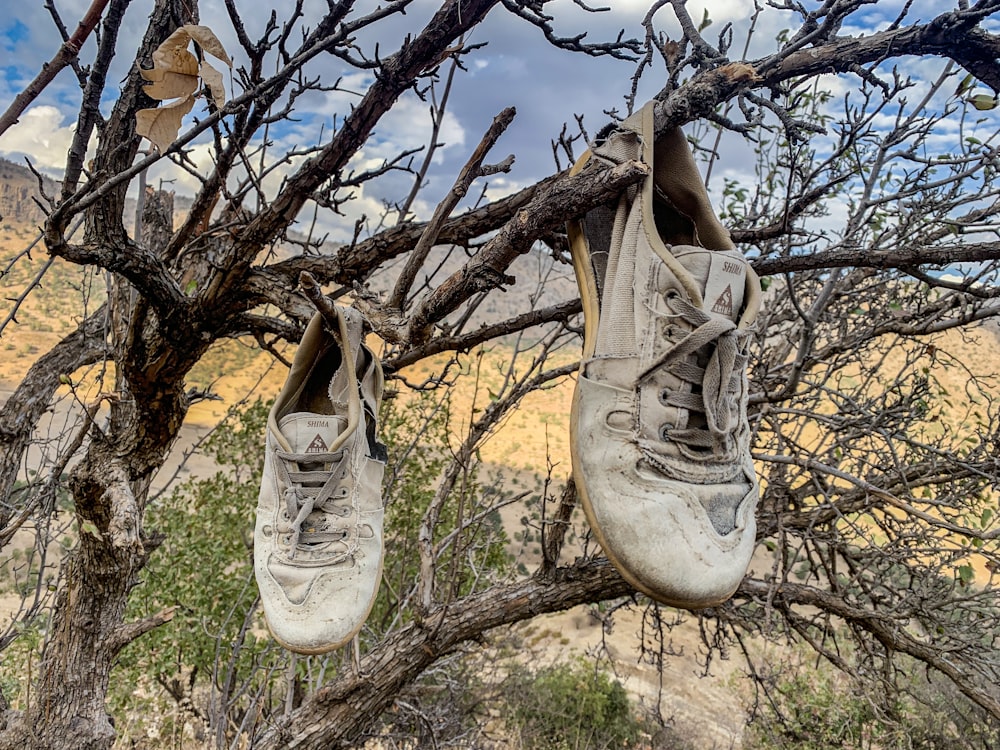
(547, 86)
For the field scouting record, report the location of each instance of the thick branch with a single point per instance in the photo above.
(396, 75)
(66, 55)
(565, 198)
(336, 715)
(355, 262)
(471, 171)
(27, 404)
(129, 631)
(903, 257)
(886, 630)
(950, 35)
(468, 341)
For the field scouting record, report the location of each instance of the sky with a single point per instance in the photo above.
(548, 87)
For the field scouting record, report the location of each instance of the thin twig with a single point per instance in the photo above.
(67, 53)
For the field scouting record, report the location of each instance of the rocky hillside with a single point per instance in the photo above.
(19, 191)
(20, 197)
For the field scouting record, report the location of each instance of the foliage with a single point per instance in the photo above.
(812, 706)
(418, 430)
(570, 706)
(204, 568)
(816, 710)
(445, 708)
(19, 665)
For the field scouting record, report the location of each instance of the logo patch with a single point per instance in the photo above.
(318, 445)
(724, 304)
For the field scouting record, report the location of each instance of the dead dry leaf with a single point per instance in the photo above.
(212, 79)
(172, 86)
(173, 56)
(162, 124)
(175, 74)
(739, 72)
(209, 42)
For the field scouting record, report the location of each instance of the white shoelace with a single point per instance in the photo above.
(719, 380)
(308, 492)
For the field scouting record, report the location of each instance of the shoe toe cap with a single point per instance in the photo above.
(310, 610)
(664, 542)
(684, 544)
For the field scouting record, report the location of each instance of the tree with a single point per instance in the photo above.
(878, 513)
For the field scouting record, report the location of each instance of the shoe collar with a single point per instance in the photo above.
(309, 347)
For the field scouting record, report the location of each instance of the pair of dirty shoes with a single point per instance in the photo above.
(659, 434)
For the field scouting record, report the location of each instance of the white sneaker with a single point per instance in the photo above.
(659, 433)
(318, 538)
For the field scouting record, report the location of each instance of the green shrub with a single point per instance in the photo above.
(417, 432)
(817, 708)
(570, 706)
(216, 647)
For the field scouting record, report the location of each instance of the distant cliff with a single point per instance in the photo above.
(18, 191)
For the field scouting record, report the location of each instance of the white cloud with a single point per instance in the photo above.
(407, 126)
(42, 134)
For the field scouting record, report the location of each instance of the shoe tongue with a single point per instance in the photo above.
(720, 276)
(311, 433)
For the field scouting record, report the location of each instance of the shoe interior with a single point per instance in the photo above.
(315, 394)
(673, 227)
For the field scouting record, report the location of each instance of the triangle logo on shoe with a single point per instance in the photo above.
(724, 304)
(318, 445)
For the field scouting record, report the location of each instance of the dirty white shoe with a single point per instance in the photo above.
(318, 538)
(659, 433)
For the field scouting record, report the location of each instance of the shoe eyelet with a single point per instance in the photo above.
(663, 396)
(267, 530)
(665, 432)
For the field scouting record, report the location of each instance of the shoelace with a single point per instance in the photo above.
(311, 491)
(719, 380)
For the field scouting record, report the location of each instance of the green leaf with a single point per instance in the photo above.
(983, 102)
(965, 575)
(965, 85)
